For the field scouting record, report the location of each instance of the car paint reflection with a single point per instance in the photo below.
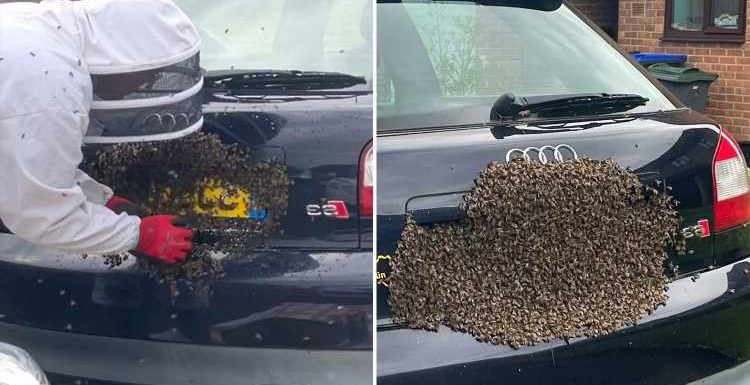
(268, 298)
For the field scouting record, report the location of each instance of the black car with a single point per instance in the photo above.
(442, 66)
(291, 80)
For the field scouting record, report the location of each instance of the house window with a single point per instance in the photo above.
(705, 20)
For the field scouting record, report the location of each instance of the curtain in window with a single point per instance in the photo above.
(687, 15)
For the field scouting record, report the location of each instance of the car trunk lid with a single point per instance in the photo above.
(673, 149)
(320, 141)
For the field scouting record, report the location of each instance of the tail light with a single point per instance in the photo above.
(366, 176)
(731, 185)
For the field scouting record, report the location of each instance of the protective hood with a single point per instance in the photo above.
(144, 59)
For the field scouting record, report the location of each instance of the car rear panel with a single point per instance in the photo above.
(320, 142)
(674, 148)
(700, 332)
(437, 166)
(95, 360)
(307, 291)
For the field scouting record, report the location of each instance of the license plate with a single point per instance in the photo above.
(237, 204)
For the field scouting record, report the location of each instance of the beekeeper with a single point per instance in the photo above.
(91, 72)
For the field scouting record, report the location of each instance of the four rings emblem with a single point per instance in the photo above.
(169, 121)
(544, 154)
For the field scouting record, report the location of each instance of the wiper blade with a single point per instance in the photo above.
(509, 107)
(273, 80)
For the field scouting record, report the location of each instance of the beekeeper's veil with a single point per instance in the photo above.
(143, 56)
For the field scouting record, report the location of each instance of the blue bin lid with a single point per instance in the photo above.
(653, 58)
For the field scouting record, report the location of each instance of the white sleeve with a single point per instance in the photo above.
(95, 192)
(40, 200)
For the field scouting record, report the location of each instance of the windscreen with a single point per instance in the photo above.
(323, 35)
(445, 63)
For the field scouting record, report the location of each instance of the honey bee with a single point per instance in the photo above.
(559, 250)
(166, 177)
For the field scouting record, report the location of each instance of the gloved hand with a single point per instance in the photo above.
(121, 205)
(164, 237)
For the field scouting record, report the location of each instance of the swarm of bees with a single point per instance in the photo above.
(169, 177)
(546, 251)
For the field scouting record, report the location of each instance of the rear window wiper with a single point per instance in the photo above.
(541, 5)
(509, 107)
(271, 81)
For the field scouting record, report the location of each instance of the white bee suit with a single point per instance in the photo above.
(18, 368)
(51, 55)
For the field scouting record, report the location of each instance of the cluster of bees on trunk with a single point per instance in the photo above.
(170, 177)
(546, 251)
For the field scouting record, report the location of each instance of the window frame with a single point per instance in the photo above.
(708, 33)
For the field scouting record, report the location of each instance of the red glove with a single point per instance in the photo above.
(121, 205)
(164, 237)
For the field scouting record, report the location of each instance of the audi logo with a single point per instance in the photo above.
(168, 121)
(559, 153)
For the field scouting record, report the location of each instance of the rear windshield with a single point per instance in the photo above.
(445, 63)
(323, 35)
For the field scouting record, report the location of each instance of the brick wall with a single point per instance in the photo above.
(641, 25)
(602, 12)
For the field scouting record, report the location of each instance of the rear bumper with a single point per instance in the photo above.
(701, 331)
(735, 376)
(278, 316)
(93, 360)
